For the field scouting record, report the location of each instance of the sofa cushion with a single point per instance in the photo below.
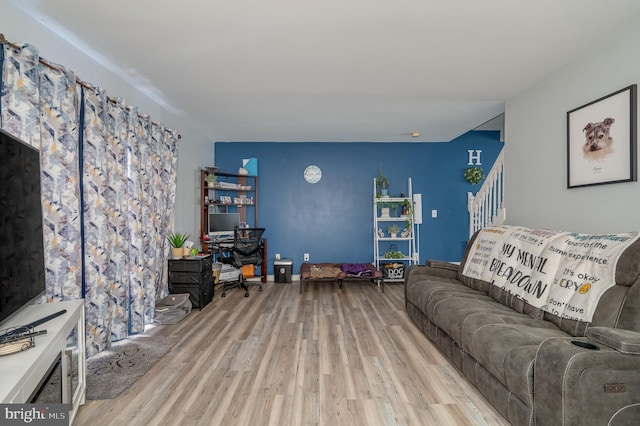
(629, 317)
(421, 291)
(572, 327)
(506, 298)
(450, 311)
(476, 321)
(628, 267)
(438, 264)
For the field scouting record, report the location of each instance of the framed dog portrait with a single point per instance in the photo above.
(601, 140)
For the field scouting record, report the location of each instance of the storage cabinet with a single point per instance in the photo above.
(61, 350)
(400, 248)
(192, 275)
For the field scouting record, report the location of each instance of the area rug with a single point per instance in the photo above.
(111, 372)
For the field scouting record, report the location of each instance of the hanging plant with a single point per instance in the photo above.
(474, 174)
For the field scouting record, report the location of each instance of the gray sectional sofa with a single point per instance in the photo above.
(535, 365)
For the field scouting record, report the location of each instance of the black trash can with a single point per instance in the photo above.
(282, 270)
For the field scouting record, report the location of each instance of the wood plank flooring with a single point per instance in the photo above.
(329, 356)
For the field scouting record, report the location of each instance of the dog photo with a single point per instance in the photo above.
(601, 140)
(598, 141)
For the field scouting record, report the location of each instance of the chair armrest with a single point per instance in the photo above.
(625, 341)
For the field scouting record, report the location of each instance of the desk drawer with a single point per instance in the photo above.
(190, 277)
(199, 296)
(191, 265)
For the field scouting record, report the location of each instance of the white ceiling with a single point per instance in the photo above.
(333, 70)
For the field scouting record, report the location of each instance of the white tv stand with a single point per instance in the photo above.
(23, 372)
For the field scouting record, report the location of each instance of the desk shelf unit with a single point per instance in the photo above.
(242, 191)
(382, 244)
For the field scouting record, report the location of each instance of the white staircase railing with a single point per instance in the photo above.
(486, 208)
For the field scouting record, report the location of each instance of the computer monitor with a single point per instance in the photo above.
(222, 224)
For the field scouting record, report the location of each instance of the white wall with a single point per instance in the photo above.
(536, 144)
(195, 149)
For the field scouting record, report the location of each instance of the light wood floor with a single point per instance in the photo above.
(324, 357)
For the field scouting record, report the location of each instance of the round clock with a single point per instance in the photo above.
(312, 174)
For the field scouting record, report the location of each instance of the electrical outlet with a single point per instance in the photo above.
(306, 257)
(277, 256)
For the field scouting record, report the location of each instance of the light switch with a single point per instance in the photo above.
(434, 213)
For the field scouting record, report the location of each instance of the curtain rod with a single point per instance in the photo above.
(48, 64)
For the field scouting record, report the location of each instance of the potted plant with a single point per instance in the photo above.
(407, 210)
(177, 240)
(393, 254)
(211, 180)
(386, 207)
(382, 185)
(393, 230)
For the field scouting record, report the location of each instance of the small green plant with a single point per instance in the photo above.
(382, 185)
(390, 204)
(393, 229)
(408, 207)
(474, 175)
(177, 239)
(211, 180)
(394, 254)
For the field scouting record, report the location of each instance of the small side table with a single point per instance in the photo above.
(193, 275)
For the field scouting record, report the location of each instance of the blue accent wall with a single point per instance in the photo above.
(333, 220)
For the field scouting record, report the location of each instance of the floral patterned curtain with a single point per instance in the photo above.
(59, 162)
(108, 184)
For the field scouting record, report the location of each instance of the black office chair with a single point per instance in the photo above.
(248, 249)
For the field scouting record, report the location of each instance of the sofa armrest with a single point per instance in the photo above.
(580, 381)
(625, 341)
(443, 265)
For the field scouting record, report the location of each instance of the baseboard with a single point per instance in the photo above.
(272, 278)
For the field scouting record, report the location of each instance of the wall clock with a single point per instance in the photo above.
(312, 174)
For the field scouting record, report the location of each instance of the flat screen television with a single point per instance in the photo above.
(22, 275)
(222, 224)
